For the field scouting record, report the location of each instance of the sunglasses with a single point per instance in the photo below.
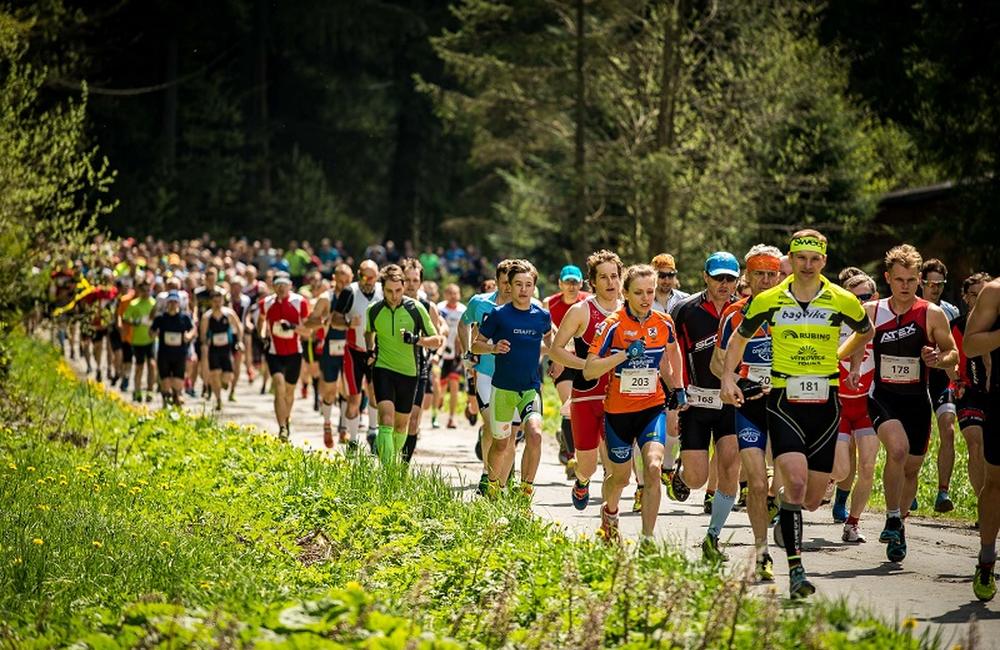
(663, 275)
(724, 278)
(865, 297)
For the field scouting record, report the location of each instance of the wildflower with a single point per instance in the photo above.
(30, 468)
(206, 584)
(64, 483)
(38, 541)
(136, 490)
(909, 623)
(121, 484)
(97, 544)
(16, 562)
(44, 507)
(165, 544)
(11, 466)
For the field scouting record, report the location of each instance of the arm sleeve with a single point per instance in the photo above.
(855, 316)
(344, 301)
(602, 337)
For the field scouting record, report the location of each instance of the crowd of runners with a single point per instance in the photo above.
(772, 387)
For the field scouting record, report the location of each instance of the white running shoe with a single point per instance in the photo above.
(852, 534)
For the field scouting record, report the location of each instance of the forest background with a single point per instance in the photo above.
(541, 128)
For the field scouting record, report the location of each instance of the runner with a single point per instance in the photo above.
(396, 328)
(933, 278)
(139, 315)
(202, 303)
(239, 302)
(413, 277)
(451, 310)
(282, 315)
(570, 284)
(175, 331)
(971, 387)
(763, 264)
(219, 330)
(115, 337)
(331, 360)
(638, 348)
(911, 336)
(697, 321)
(803, 313)
(349, 312)
(514, 334)
(483, 364)
(857, 444)
(604, 270)
(982, 337)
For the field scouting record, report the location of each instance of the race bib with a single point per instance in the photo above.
(220, 339)
(706, 398)
(173, 339)
(759, 374)
(280, 332)
(336, 347)
(810, 389)
(638, 381)
(899, 370)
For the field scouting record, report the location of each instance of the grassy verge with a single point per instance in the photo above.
(121, 528)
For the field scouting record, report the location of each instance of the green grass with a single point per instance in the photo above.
(127, 529)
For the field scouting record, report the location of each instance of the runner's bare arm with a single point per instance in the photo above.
(235, 323)
(979, 339)
(598, 366)
(730, 392)
(945, 355)
(434, 341)
(320, 311)
(573, 325)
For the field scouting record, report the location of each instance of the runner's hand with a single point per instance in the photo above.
(853, 381)
(931, 356)
(730, 392)
(636, 349)
(555, 369)
(501, 347)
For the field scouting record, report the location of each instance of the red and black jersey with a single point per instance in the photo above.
(586, 389)
(899, 339)
(697, 323)
(557, 307)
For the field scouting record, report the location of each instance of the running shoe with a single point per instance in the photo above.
(232, 397)
(370, 437)
(943, 503)
(571, 468)
(98, 376)
(563, 456)
(484, 483)
(149, 398)
(710, 550)
(283, 434)
(328, 435)
(915, 505)
(580, 495)
(895, 551)
(800, 585)
(772, 508)
(765, 568)
(852, 535)
(707, 506)
(676, 489)
(839, 513)
(637, 500)
(451, 424)
(984, 584)
(479, 444)
(137, 396)
(124, 386)
(470, 416)
(609, 527)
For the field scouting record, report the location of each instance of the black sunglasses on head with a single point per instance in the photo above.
(663, 275)
(865, 297)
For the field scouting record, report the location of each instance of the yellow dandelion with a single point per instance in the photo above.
(121, 484)
(30, 468)
(11, 466)
(16, 562)
(165, 544)
(44, 507)
(97, 544)
(143, 482)
(62, 477)
(38, 541)
(206, 584)
(64, 483)
(136, 490)
(909, 623)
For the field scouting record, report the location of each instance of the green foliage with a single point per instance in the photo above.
(125, 528)
(52, 182)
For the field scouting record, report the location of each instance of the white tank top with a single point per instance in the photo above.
(359, 309)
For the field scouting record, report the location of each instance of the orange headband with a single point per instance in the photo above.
(763, 263)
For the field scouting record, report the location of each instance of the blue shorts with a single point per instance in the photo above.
(751, 424)
(621, 430)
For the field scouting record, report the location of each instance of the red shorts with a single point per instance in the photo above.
(587, 418)
(854, 418)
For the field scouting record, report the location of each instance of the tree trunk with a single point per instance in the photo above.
(170, 107)
(669, 89)
(262, 136)
(579, 247)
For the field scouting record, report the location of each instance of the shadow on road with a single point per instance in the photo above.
(966, 612)
(884, 569)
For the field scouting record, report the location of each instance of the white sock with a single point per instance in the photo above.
(353, 424)
(372, 418)
(326, 411)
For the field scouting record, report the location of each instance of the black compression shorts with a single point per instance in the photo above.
(913, 411)
(391, 386)
(220, 359)
(804, 428)
(287, 365)
(699, 426)
(170, 366)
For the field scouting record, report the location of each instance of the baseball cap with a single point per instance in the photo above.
(173, 295)
(571, 273)
(282, 278)
(722, 263)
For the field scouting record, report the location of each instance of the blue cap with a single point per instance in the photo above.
(571, 273)
(173, 295)
(722, 263)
